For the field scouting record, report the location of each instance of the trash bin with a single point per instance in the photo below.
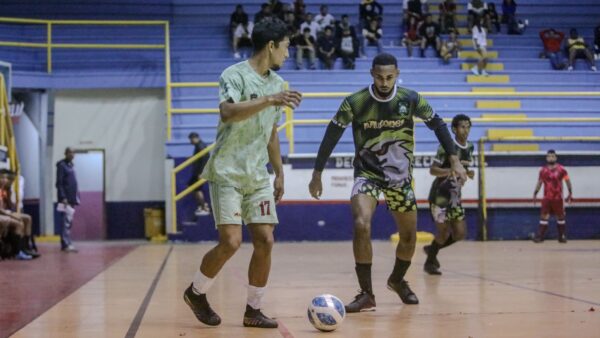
(154, 222)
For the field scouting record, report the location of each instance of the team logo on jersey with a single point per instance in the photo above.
(253, 96)
(402, 110)
(380, 124)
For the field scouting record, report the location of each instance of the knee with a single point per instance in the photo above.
(408, 238)
(230, 245)
(362, 229)
(263, 243)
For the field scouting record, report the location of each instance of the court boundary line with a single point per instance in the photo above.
(137, 320)
(550, 293)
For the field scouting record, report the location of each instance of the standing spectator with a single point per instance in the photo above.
(198, 167)
(342, 25)
(242, 37)
(238, 17)
(480, 44)
(450, 47)
(68, 197)
(348, 49)
(578, 50)
(430, 35)
(597, 42)
(326, 45)
(369, 10)
(447, 16)
(265, 12)
(312, 26)
(411, 36)
(552, 40)
(299, 9)
(477, 9)
(493, 15)
(305, 46)
(372, 35)
(324, 19)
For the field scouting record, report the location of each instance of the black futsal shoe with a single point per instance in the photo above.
(200, 307)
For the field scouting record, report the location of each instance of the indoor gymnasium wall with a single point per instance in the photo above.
(129, 124)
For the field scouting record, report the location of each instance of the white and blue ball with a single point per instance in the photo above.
(326, 312)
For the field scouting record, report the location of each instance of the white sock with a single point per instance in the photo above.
(201, 283)
(255, 295)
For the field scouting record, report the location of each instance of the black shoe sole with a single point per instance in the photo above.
(369, 309)
(259, 326)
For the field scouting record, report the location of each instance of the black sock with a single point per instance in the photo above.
(33, 245)
(26, 245)
(449, 241)
(434, 248)
(399, 271)
(363, 272)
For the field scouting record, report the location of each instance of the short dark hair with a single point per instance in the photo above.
(5, 172)
(328, 28)
(345, 16)
(268, 29)
(460, 117)
(385, 59)
(193, 134)
(551, 151)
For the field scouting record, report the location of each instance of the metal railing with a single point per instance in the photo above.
(7, 138)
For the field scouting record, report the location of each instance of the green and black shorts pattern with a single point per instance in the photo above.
(400, 199)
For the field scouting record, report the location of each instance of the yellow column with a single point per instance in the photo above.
(49, 47)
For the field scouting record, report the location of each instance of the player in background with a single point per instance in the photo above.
(445, 194)
(252, 98)
(382, 115)
(551, 176)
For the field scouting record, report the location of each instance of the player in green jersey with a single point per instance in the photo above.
(383, 128)
(252, 98)
(445, 194)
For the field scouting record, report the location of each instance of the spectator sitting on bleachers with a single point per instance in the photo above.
(305, 46)
(242, 37)
(480, 44)
(238, 17)
(477, 9)
(450, 47)
(447, 16)
(369, 10)
(578, 50)
(343, 25)
(292, 27)
(597, 43)
(299, 9)
(430, 35)
(509, 17)
(552, 40)
(347, 47)
(411, 36)
(265, 11)
(411, 8)
(14, 242)
(324, 19)
(311, 25)
(276, 8)
(326, 48)
(10, 200)
(494, 18)
(372, 35)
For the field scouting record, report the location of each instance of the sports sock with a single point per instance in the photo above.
(363, 272)
(562, 224)
(255, 295)
(542, 229)
(400, 268)
(201, 283)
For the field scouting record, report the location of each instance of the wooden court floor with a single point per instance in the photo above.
(493, 289)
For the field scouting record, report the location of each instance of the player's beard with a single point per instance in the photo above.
(382, 94)
(550, 162)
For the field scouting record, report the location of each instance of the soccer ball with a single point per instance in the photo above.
(326, 312)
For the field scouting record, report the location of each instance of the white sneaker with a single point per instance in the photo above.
(202, 212)
(21, 256)
(71, 248)
(474, 71)
(237, 56)
(484, 73)
(596, 56)
(594, 69)
(570, 68)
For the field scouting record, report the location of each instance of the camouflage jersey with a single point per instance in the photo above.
(383, 133)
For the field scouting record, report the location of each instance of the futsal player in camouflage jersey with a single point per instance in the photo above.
(383, 128)
(445, 194)
(251, 102)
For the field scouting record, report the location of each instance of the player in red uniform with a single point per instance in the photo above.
(552, 175)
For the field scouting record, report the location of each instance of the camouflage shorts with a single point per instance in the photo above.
(397, 199)
(450, 213)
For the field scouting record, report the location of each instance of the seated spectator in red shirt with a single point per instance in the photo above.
(552, 40)
(411, 36)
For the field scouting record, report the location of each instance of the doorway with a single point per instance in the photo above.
(89, 222)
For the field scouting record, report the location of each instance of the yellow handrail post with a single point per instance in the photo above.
(173, 201)
(2, 110)
(168, 102)
(289, 117)
(49, 47)
(482, 196)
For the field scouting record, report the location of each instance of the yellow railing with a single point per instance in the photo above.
(481, 163)
(7, 137)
